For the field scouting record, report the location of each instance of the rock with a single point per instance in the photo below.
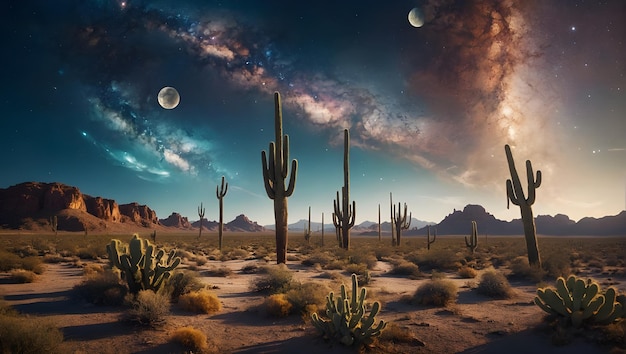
(106, 209)
(139, 213)
(242, 223)
(176, 220)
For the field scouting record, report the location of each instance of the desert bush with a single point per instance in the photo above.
(307, 297)
(234, 254)
(104, 288)
(22, 276)
(441, 259)
(182, 282)
(201, 260)
(520, 268)
(250, 269)
(494, 284)
(276, 279)
(277, 305)
(360, 257)
(9, 261)
(440, 292)
(335, 265)
(201, 301)
(222, 271)
(190, 338)
(467, 272)
(396, 334)
(356, 268)
(21, 334)
(92, 268)
(148, 308)
(318, 257)
(53, 258)
(556, 265)
(407, 268)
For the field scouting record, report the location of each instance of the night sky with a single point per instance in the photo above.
(429, 108)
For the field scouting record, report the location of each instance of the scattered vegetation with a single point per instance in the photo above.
(183, 282)
(277, 305)
(467, 272)
(102, 288)
(438, 292)
(201, 301)
(148, 308)
(22, 276)
(190, 338)
(494, 284)
(25, 334)
(276, 279)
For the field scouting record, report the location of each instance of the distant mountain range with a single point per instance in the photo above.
(29, 205)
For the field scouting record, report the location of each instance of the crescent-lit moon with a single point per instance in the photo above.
(168, 97)
(416, 18)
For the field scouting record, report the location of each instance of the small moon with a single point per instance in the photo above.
(416, 18)
(168, 97)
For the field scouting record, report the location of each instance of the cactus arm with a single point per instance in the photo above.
(292, 178)
(268, 172)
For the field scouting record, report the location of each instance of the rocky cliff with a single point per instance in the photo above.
(36, 201)
(176, 220)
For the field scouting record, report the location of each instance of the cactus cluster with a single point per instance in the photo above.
(346, 320)
(581, 301)
(140, 266)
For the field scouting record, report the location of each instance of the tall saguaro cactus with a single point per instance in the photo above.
(515, 195)
(54, 223)
(307, 230)
(400, 221)
(428, 240)
(220, 192)
(201, 211)
(322, 229)
(380, 234)
(344, 212)
(275, 171)
(473, 240)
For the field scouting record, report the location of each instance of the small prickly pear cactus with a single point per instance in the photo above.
(140, 267)
(346, 320)
(580, 302)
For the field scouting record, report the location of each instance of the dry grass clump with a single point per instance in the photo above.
(307, 297)
(102, 288)
(494, 284)
(467, 272)
(318, 257)
(407, 268)
(441, 259)
(92, 268)
(277, 279)
(520, 268)
(393, 333)
(10, 261)
(277, 305)
(221, 272)
(148, 308)
(190, 338)
(21, 334)
(439, 292)
(22, 276)
(183, 282)
(202, 301)
(53, 258)
(366, 258)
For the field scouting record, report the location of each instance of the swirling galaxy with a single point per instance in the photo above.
(429, 109)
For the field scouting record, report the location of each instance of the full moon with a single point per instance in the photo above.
(168, 97)
(416, 18)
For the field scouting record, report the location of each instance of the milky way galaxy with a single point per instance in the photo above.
(429, 108)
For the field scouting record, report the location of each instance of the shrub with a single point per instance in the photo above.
(356, 268)
(366, 258)
(149, 308)
(441, 259)
(406, 268)
(320, 258)
(92, 268)
(190, 338)
(182, 282)
(439, 292)
(467, 272)
(9, 261)
(33, 264)
(202, 301)
(102, 288)
(307, 297)
(277, 305)
(494, 284)
(28, 335)
(250, 269)
(520, 268)
(218, 272)
(22, 276)
(277, 279)
(53, 258)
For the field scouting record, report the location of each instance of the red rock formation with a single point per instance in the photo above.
(139, 213)
(176, 220)
(58, 196)
(106, 209)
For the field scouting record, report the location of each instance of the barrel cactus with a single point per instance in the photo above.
(580, 302)
(140, 266)
(346, 320)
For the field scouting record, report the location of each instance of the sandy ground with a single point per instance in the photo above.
(475, 324)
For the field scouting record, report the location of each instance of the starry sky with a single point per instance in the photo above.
(429, 108)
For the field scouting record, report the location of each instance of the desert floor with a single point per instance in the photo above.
(474, 324)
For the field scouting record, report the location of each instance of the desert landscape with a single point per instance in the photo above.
(471, 321)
